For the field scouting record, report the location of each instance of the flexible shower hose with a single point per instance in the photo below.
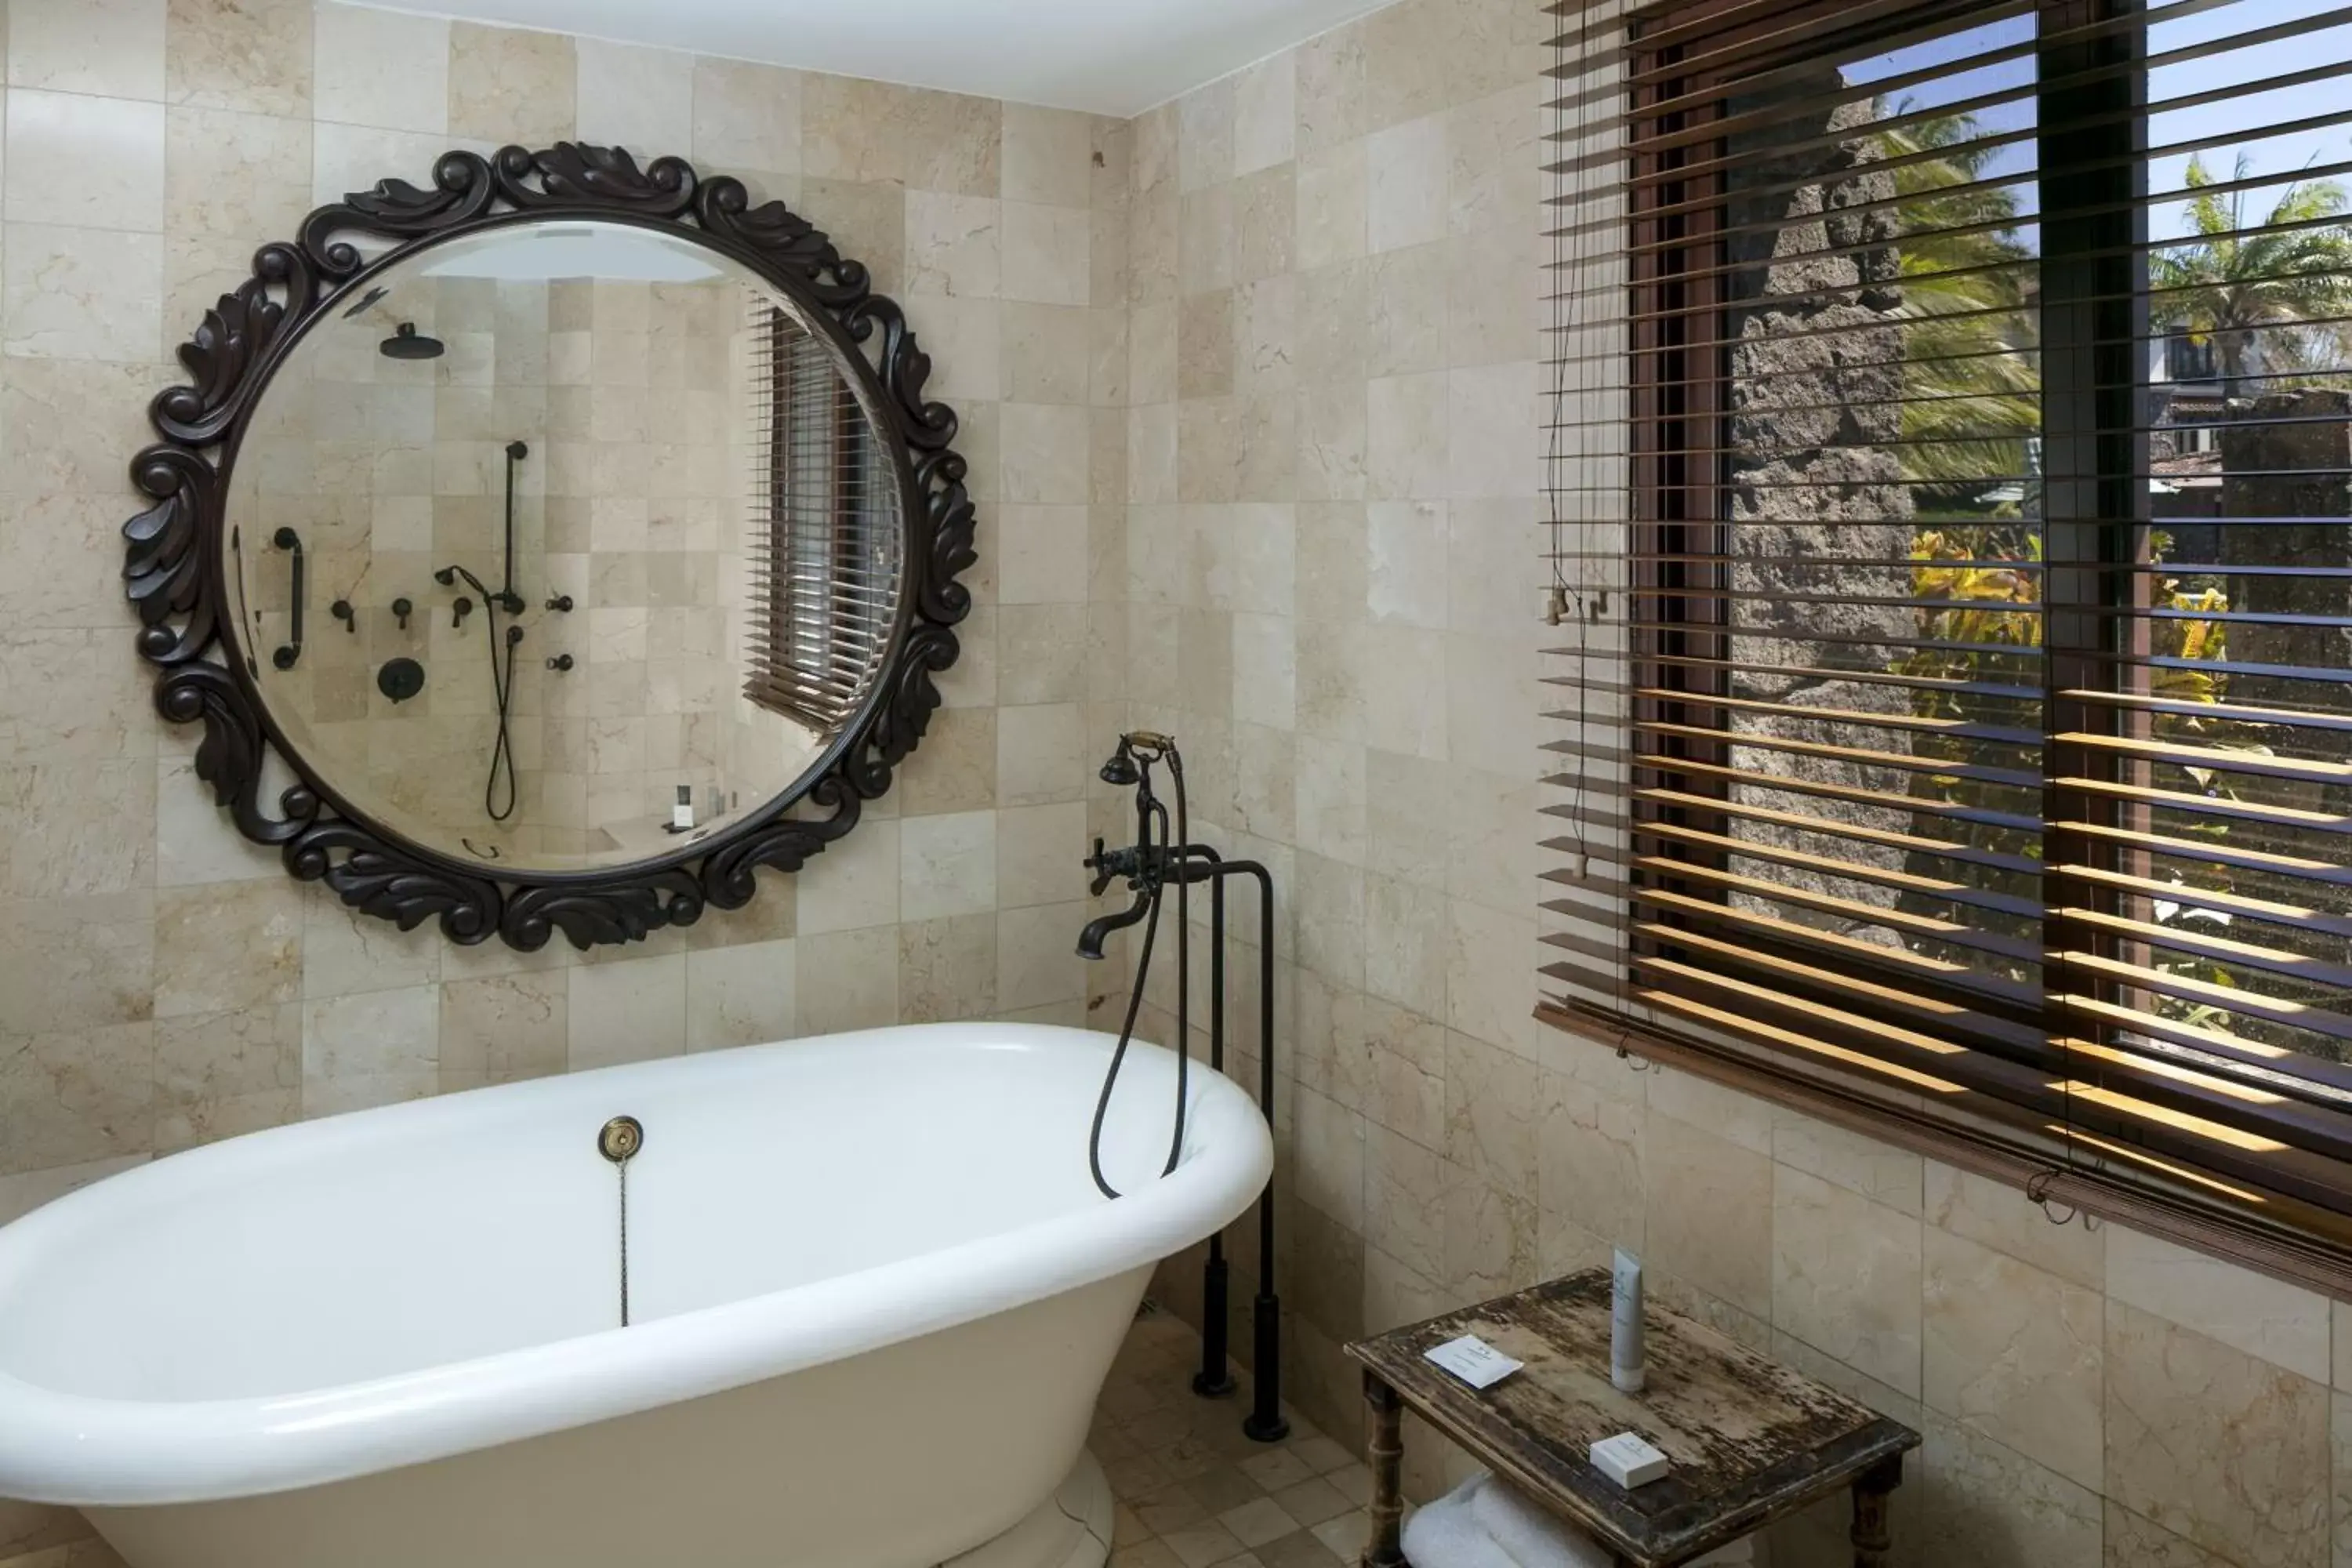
(501, 689)
(1135, 994)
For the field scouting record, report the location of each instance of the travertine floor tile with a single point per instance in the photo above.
(1195, 1491)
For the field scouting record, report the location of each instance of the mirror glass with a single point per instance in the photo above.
(543, 530)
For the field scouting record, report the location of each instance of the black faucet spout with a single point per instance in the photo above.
(1091, 939)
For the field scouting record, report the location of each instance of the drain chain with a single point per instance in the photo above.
(619, 1141)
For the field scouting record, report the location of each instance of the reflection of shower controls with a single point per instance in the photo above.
(561, 604)
(460, 610)
(401, 609)
(400, 678)
(341, 610)
(561, 661)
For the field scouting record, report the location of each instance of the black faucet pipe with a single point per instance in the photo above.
(1150, 867)
(1215, 1379)
(1183, 951)
(1265, 1423)
(1185, 864)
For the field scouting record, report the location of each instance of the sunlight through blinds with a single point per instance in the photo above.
(1951, 484)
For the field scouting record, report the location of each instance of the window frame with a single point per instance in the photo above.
(2094, 308)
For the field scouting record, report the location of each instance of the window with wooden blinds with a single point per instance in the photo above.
(823, 530)
(1952, 488)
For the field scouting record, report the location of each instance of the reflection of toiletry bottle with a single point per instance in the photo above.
(681, 816)
(1626, 1323)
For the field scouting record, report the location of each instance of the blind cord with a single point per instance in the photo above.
(1569, 596)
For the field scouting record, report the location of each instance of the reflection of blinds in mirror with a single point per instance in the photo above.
(823, 560)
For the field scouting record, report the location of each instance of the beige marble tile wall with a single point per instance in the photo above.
(161, 983)
(1333, 572)
(640, 552)
(1308, 548)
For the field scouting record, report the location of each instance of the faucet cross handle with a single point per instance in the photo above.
(1099, 863)
(1110, 865)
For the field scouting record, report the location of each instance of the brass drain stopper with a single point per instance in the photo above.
(621, 1139)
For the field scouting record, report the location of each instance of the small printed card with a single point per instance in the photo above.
(1473, 1361)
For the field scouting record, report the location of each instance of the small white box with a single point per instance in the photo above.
(1628, 1460)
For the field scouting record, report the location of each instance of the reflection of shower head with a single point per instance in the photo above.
(406, 343)
(517, 452)
(371, 297)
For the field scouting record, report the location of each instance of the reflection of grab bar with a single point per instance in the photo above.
(288, 654)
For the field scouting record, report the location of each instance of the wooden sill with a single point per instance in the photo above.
(2317, 1260)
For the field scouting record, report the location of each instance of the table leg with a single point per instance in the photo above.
(1872, 1489)
(1383, 1550)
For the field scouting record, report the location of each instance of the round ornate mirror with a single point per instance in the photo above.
(577, 534)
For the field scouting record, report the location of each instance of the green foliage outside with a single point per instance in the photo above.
(1972, 412)
(2283, 284)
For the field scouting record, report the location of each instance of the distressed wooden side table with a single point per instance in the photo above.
(1750, 1439)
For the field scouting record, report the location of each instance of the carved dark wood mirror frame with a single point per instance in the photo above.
(175, 577)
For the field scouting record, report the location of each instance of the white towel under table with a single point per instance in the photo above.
(1486, 1524)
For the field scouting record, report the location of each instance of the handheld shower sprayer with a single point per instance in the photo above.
(1121, 769)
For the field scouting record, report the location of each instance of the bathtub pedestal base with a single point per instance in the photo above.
(1069, 1530)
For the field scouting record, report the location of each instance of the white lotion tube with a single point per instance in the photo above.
(1626, 1323)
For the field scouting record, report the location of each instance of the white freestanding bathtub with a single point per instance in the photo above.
(872, 1293)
